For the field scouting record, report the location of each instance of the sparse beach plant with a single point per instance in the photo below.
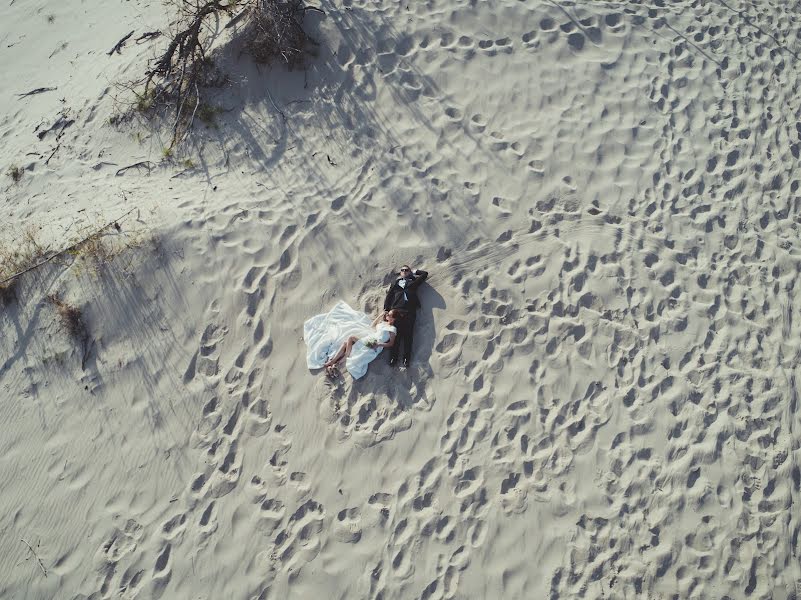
(207, 114)
(144, 100)
(15, 173)
(73, 323)
(71, 317)
(94, 248)
(17, 258)
(175, 82)
(274, 32)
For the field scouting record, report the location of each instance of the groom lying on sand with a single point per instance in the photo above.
(402, 296)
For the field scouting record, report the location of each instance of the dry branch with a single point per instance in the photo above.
(178, 74)
(36, 556)
(272, 30)
(53, 153)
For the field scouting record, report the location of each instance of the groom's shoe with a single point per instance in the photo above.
(392, 361)
(405, 363)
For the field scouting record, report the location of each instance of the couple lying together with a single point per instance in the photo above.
(347, 334)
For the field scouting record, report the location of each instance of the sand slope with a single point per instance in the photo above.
(603, 397)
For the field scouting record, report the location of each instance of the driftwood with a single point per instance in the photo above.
(118, 46)
(40, 90)
(65, 250)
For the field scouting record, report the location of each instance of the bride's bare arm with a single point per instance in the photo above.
(378, 319)
(388, 344)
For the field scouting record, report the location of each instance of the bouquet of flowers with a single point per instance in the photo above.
(370, 342)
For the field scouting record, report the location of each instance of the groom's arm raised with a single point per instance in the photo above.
(419, 277)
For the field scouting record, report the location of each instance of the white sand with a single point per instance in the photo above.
(603, 397)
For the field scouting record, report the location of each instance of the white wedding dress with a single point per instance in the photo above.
(325, 333)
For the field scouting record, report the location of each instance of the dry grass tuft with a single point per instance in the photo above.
(73, 323)
(15, 258)
(71, 318)
(274, 32)
(96, 249)
(15, 173)
(91, 248)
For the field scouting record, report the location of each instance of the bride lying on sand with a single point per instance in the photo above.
(346, 333)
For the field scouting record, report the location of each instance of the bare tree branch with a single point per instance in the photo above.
(272, 30)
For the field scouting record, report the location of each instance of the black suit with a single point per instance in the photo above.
(405, 299)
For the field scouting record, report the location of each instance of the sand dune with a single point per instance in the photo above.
(602, 401)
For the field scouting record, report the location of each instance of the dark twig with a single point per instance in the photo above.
(237, 18)
(275, 106)
(149, 35)
(53, 153)
(36, 556)
(118, 46)
(144, 164)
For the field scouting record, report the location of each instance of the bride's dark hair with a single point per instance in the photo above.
(395, 314)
